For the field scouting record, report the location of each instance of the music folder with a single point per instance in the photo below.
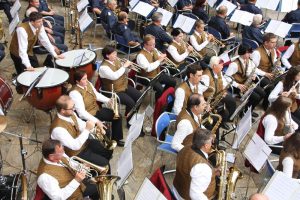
(185, 23)
(172, 2)
(143, 9)
(288, 5)
(82, 4)
(13, 24)
(242, 17)
(278, 28)
(84, 20)
(125, 165)
(268, 4)
(167, 15)
(15, 8)
(148, 191)
(230, 6)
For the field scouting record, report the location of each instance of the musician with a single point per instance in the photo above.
(185, 4)
(155, 29)
(251, 7)
(108, 15)
(289, 160)
(46, 11)
(5, 6)
(86, 97)
(289, 87)
(291, 57)
(213, 77)
(188, 120)
(253, 32)
(243, 70)
(149, 59)
(293, 16)
(112, 71)
(73, 133)
(97, 7)
(276, 125)
(57, 179)
(188, 87)
(195, 176)
(199, 10)
(23, 40)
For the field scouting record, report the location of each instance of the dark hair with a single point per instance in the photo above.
(108, 49)
(268, 36)
(62, 102)
(176, 31)
(298, 2)
(35, 16)
(78, 75)
(243, 49)
(289, 79)
(194, 100)
(192, 69)
(199, 3)
(48, 147)
(200, 137)
(279, 107)
(292, 145)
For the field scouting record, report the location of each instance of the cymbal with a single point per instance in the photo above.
(3, 123)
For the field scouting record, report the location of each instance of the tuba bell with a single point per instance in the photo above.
(99, 134)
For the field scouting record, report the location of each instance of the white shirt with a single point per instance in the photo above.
(108, 73)
(175, 55)
(286, 56)
(180, 95)
(79, 103)
(255, 56)
(23, 43)
(194, 43)
(278, 90)
(205, 79)
(200, 179)
(50, 185)
(142, 61)
(65, 137)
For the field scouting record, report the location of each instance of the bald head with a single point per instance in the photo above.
(258, 197)
(62, 102)
(222, 11)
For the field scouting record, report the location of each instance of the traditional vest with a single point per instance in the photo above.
(120, 85)
(296, 167)
(181, 50)
(187, 91)
(32, 39)
(73, 130)
(89, 98)
(295, 58)
(185, 115)
(64, 175)
(151, 57)
(265, 63)
(200, 39)
(216, 83)
(240, 76)
(187, 158)
(278, 132)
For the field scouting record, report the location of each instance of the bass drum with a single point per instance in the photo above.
(6, 96)
(13, 187)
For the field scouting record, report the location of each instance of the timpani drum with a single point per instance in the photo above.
(79, 59)
(47, 91)
(6, 96)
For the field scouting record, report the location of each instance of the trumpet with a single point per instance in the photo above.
(79, 164)
(133, 66)
(167, 60)
(218, 42)
(115, 105)
(193, 53)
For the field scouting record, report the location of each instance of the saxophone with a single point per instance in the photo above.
(99, 134)
(207, 114)
(233, 176)
(219, 96)
(249, 81)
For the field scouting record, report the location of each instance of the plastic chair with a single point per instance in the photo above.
(162, 124)
(124, 47)
(252, 43)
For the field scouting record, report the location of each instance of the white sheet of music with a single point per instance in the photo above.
(185, 23)
(134, 131)
(257, 152)
(125, 165)
(148, 191)
(211, 3)
(242, 17)
(15, 8)
(282, 187)
(167, 15)
(132, 3)
(230, 6)
(268, 4)
(288, 5)
(82, 4)
(143, 8)
(278, 28)
(243, 127)
(172, 2)
(84, 21)
(13, 24)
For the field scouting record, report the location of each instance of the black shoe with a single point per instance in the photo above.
(225, 126)
(120, 143)
(254, 114)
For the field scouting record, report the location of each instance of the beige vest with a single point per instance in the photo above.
(200, 39)
(185, 115)
(181, 50)
(295, 58)
(187, 91)
(218, 87)
(240, 76)
(151, 57)
(265, 63)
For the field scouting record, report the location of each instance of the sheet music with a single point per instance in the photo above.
(125, 165)
(82, 4)
(242, 17)
(15, 8)
(282, 187)
(13, 24)
(167, 15)
(148, 191)
(135, 128)
(211, 3)
(225, 57)
(278, 28)
(244, 126)
(288, 5)
(257, 152)
(84, 21)
(268, 4)
(185, 23)
(143, 8)
(172, 2)
(230, 6)
(132, 3)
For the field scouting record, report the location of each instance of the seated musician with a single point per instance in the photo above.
(188, 87)
(291, 57)
(97, 7)
(46, 11)
(293, 16)
(185, 4)
(199, 10)
(108, 15)
(253, 32)
(188, 120)
(113, 72)
(86, 97)
(289, 160)
(149, 59)
(251, 7)
(57, 179)
(195, 177)
(243, 71)
(73, 133)
(289, 87)
(213, 78)
(276, 125)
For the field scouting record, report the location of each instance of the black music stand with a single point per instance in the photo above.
(138, 102)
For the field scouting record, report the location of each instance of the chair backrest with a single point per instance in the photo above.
(270, 169)
(214, 32)
(163, 122)
(252, 43)
(39, 194)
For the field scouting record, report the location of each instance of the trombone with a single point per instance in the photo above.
(193, 53)
(133, 66)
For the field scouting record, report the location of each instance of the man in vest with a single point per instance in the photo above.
(23, 41)
(73, 133)
(195, 176)
(149, 59)
(188, 120)
(57, 179)
(292, 55)
(86, 97)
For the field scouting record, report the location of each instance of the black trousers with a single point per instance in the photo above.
(129, 97)
(158, 85)
(106, 114)
(265, 84)
(19, 65)
(91, 190)
(229, 107)
(5, 6)
(257, 95)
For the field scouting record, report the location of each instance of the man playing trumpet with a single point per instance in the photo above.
(149, 59)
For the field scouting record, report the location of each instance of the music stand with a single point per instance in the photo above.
(138, 102)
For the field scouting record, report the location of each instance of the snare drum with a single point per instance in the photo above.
(47, 91)
(81, 59)
(6, 96)
(13, 187)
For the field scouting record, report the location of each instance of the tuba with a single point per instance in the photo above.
(99, 134)
(105, 185)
